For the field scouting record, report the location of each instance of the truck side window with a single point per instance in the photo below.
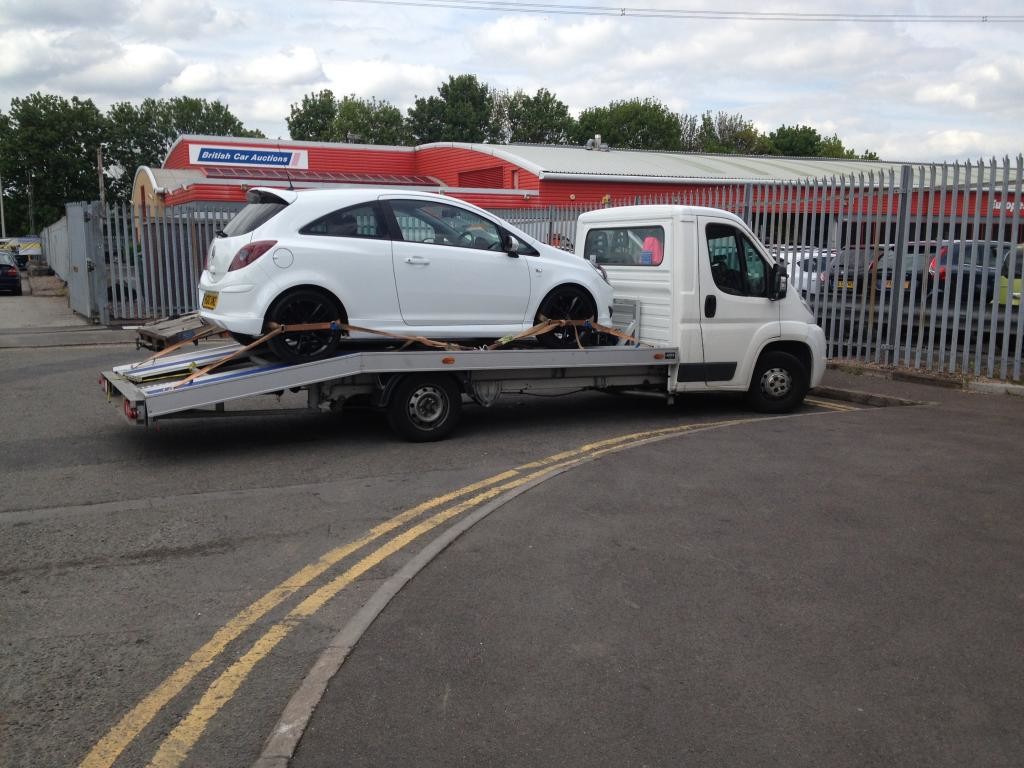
(626, 246)
(736, 266)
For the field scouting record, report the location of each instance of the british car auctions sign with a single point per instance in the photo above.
(260, 157)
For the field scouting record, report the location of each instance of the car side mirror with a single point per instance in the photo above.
(512, 246)
(779, 278)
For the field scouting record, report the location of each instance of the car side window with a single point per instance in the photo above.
(736, 265)
(357, 221)
(429, 221)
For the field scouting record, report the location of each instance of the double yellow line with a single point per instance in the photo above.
(179, 742)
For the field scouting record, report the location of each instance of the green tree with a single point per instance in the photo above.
(689, 130)
(724, 133)
(47, 158)
(633, 124)
(205, 118)
(136, 135)
(369, 121)
(538, 119)
(738, 135)
(795, 141)
(314, 117)
(461, 111)
(143, 134)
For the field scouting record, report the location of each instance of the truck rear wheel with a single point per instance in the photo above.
(779, 383)
(425, 407)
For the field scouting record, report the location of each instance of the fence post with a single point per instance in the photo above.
(902, 236)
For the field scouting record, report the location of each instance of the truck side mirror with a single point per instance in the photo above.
(511, 246)
(779, 282)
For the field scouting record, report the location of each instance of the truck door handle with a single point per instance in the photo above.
(417, 260)
(710, 306)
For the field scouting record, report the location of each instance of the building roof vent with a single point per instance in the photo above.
(595, 143)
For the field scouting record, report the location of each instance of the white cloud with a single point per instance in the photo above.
(174, 18)
(195, 79)
(60, 14)
(298, 65)
(124, 72)
(907, 91)
(947, 93)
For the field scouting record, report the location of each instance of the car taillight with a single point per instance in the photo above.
(933, 267)
(247, 254)
(10, 271)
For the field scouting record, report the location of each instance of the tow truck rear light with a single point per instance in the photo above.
(130, 411)
(247, 254)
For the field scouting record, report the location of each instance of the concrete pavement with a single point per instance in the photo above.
(835, 589)
(42, 317)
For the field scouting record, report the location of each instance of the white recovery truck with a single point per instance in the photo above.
(700, 306)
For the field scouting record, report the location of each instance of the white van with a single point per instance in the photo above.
(704, 284)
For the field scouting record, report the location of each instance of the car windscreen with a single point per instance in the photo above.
(251, 217)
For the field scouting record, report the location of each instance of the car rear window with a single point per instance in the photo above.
(251, 217)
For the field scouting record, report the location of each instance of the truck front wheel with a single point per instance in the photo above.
(779, 383)
(425, 407)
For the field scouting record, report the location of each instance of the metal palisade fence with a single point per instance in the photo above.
(919, 268)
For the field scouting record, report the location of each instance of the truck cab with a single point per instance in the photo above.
(705, 284)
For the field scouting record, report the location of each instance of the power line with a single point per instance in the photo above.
(665, 13)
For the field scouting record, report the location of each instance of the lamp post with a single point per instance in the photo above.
(3, 222)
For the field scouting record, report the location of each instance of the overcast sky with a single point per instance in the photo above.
(909, 91)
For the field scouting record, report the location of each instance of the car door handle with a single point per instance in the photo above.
(417, 260)
(710, 306)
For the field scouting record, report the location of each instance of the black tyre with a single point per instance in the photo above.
(779, 383)
(425, 407)
(306, 305)
(567, 303)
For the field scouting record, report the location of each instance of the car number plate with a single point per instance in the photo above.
(848, 284)
(210, 300)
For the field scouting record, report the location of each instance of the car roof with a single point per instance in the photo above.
(348, 195)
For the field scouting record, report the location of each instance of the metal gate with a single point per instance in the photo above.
(867, 253)
(73, 250)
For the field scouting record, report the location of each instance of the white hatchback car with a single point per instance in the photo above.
(409, 263)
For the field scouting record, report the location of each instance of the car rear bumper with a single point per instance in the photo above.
(232, 308)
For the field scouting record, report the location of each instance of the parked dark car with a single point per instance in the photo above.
(849, 272)
(10, 278)
(915, 269)
(953, 264)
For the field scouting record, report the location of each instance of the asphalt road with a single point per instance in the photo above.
(164, 593)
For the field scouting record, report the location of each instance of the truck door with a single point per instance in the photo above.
(737, 318)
